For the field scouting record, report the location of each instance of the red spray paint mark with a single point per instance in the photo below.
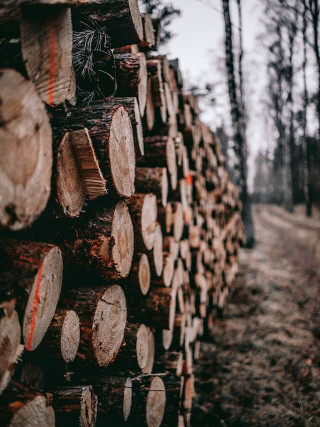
(35, 308)
(189, 179)
(53, 36)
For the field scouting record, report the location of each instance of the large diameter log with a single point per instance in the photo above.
(102, 313)
(139, 277)
(32, 273)
(22, 406)
(25, 152)
(132, 77)
(46, 44)
(62, 339)
(75, 406)
(148, 401)
(143, 210)
(160, 152)
(153, 180)
(110, 130)
(122, 19)
(132, 107)
(11, 349)
(104, 246)
(114, 399)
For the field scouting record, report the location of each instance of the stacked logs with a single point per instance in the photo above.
(120, 228)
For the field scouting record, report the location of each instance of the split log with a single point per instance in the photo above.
(153, 180)
(160, 152)
(11, 349)
(61, 341)
(139, 277)
(148, 401)
(25, 152)
(46, 45)
(32, 273)
(143, 210)
(75, 406)
(132, 77)
(22, 406)
(110, 130)
(114, 399)
(104, 246)
(102, 313)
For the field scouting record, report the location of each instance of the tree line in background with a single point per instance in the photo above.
(287, 171)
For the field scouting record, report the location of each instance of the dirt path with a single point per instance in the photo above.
(262, 365)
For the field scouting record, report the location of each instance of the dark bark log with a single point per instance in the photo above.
(153, 180)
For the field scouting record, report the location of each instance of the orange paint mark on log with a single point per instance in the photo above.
(35, 307)
(53, 36)
(188, 179)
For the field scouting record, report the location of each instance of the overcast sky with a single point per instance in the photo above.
(199, 44)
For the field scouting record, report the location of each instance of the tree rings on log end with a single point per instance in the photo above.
(148, 220)
(127, 399)
(122, 232)
(70, 336)
(144, 274)
(122, 153)
(25, 152)
(158, 250)
(142, 346)
(109, 324)
(156, 402)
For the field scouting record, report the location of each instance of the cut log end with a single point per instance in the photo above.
(109, 323)
(158, 250)
(122, 232)
(127, 399)
(43, 298)
(122, 153)
(156, 402)
(32, 413)
(142, 346)
(143, 85)
(164, 187)
(147, 369)
(148, 220)
(70, 336)
(136, 18)
(144, 274)
(25, 152)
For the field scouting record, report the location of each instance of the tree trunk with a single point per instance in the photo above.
(25, 152)
(31, 273)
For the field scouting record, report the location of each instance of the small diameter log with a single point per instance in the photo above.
(148, 401)
(170, 245)
(167, 272)
(22, 406)
(32, 273)
(143, 210)
(114, 399)
(110, 130)
(121, 18)
(153, 180)
(174, 338)
(157, 253)
(148, 34)
(150, 108)
(160, 152)
(171, 362)
(75, 406)
(10, 347)
(132, 107)
(139, 275)
(131, 71)
(62, 339)
(103, 315)
(174, 388)
(187, 396)
(25, 152)
(178, 220)
(133, 355)
(151, 353)
(46, 45)
(104, 246)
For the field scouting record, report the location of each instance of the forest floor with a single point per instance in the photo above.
(261, 366)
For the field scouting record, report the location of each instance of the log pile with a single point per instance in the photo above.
(120, 228)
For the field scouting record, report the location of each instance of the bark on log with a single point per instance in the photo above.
(160, 152)
(148, 41)
(150, 108)
(171, 362)
(132, 77)
(22, 406)
(10, 347)
(143, 210)
(46, 45)
(151, 353)
(25, 152)
(139, 277)
(103, 314)
(32, 273)
(174, 388)
(75, 406)
(104, 246)
(167, 273)
(61, 341)
(153, 180)
(110, 130)
(148, 401)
